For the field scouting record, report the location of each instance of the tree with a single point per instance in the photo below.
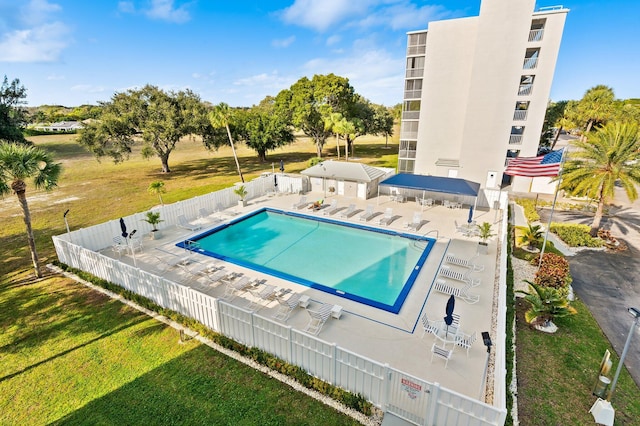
(531, 235)
(384, 120)
(308, 103)
(546, 303)
(221, 117)
(594, 109)
(18, 163)
(12, 115)
(160, 119)
(609, 157)
(158, 189)
(263, 131)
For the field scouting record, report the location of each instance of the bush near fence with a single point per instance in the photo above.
(353, 401)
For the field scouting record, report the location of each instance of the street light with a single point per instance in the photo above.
(64, 216)
(486, 339)
(602, 410)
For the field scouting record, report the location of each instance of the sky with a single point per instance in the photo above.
(73, 52)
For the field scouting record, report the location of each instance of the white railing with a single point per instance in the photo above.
(407, 153)
(530, 63)
(536, 35)
(410, 115)
(525, 89)
(412, 94)
(520, 114)
(515, 139)
(415, 72)
(414, 399)
(409, 134)
(416, 50)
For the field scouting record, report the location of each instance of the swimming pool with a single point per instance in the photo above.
(373, 266)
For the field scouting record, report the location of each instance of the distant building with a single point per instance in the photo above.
(476, 92)
(61, 126)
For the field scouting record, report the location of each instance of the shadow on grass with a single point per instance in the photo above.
(202, 386)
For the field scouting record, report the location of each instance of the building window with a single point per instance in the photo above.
(407, 149)
(531, 59)
(417, 44)
(415, 66)
(413, 89)
(537, 29)
(406, 166)
(516, 134)
(409, 130)
(411, 110)
(520, 112)
(526, 85)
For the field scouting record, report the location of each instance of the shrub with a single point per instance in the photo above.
(530, 211)
(575, 235)
(315, 160)
(553, 273)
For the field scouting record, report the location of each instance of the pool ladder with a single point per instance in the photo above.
(419, 244)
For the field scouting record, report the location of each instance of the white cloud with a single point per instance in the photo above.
(55, 77)
(126, 7)
(264, 80)
(39, 44)
(321, 14)
(32, 35)
(164, 10)
(285, 42)
(404, 15)
(333, 40)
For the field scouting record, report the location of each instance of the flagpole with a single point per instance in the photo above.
(553, 207)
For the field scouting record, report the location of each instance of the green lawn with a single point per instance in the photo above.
(70, 355)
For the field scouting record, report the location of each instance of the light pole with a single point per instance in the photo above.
(636, 315)
(64, 216)
(602, 410)
(487, 342)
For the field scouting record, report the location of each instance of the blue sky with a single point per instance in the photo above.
(71, 52)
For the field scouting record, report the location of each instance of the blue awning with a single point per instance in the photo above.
(433, 184)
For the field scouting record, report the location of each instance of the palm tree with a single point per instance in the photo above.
(531, 235)
(607, 158)
(546, 303)
(18, 163)
(157, 188)
(596, 107)
(221, 117)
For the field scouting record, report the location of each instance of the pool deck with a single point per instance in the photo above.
(395, 339)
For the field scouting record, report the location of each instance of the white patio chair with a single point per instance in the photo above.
(428, 326)
(368, 213)
(349, 211)
(317, 318)
(300, 204)
(416, 222)
(466, 340)
(441, 352)
(441, 286)
(465, 263)
(331, 209)
(185, 224)
(286, 306)
(387, 218)
(261, 295)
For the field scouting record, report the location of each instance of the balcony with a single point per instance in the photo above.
(413, 94)
(415, 72)
(520, 115)
(410, 115)
(515, 139)
(416, 50)
(407, 153)
(530, 63)
(525, 89)
(536, 35)
(409, 134)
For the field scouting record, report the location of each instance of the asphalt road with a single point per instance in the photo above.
(609, 282)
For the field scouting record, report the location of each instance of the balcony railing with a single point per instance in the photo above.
(525, 89)
(530, 63)
(413, 94)
(407, 153)
(415, 72)
(416, 50)
(536, 35)
(409, 134)
(410, 115)
(515, 139)
(520, 114)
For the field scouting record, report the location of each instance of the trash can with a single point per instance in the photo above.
(601, 389)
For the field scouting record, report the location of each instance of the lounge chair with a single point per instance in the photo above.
(465, 263)
(460, 293)
(428, 326)
(316, 205)
(185, 224)
(447, 272)
(441, 353)
(466, 340)
(349, 211)
(416, 222)
(300, 204)
(331, 209)
(212, 272)
(368, 213)
(387, 218)
(260, 295)
(236, 286)
(286, 306)
(317, 318)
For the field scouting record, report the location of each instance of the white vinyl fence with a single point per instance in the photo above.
(408, 397)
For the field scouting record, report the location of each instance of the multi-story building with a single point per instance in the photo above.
(476, 92)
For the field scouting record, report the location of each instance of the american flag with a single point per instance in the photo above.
(542, 165)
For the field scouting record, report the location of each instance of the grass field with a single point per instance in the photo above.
(72, 356)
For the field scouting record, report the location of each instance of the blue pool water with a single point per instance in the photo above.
(371, 266)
